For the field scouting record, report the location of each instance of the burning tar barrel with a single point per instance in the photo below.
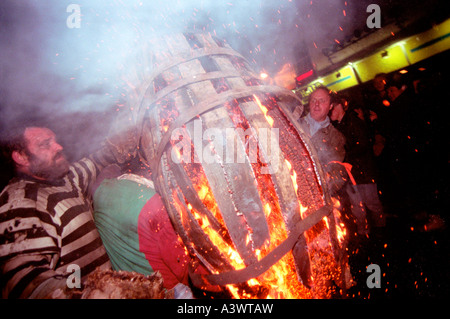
(239, 179)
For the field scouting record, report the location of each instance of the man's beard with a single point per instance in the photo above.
(53, 171)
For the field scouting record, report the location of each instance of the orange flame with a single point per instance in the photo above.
(264, 110)
(341, 231)
(281, 280)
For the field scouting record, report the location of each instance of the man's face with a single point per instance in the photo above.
(393, 92)
(319, 105)
(45, 157)
(336, 112)
(379, 83)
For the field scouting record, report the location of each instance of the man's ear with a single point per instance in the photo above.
(19, 158)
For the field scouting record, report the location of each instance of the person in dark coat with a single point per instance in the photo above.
(401, 130)
(363, 191)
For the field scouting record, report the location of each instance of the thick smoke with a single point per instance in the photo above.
(72, 76)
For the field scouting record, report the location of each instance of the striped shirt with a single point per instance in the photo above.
(45, 227)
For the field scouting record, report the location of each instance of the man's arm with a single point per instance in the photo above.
(336, 173)
(118, 148)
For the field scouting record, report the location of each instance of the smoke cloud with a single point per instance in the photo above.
(72, 75)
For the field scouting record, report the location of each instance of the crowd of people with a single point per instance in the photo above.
(394, 143)
(395, 155)
(54, 214)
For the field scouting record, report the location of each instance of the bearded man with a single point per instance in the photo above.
(46, 221)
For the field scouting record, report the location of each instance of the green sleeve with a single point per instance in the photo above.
(117, 205)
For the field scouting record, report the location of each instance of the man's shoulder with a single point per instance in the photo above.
(331, 130)
(302, 120)
(17, 194)
(83, 169)
(28, 188)
(14, 185)
(335, 136)
(303, 123)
